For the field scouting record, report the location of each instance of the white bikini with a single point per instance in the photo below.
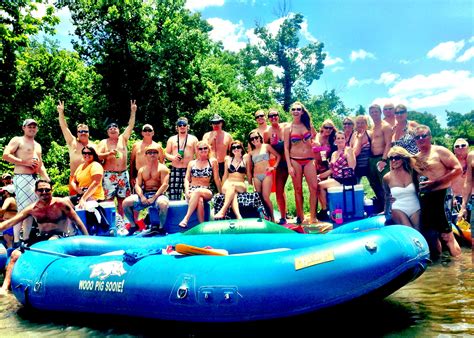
(406, 199)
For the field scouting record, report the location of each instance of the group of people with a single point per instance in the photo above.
(387, 148)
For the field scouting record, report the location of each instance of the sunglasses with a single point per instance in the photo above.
(388, 108)
(182, 124)
(216, 122)
(113, 126)
(87, 153)
(328, 127)
(395, 158)
(43, 190)
(83, 131)
(348, 123)
(457, 146)
(400, 112)
(151, 153)
(254, 138)
(203, 148)
(271, 116)
(236, 147)
(297, 109)
(147, 130)
(259, 116)
(421, 137)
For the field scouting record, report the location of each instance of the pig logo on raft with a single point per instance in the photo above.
(107, 269)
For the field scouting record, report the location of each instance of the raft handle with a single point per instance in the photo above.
(182, 292)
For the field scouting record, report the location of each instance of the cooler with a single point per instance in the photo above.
(176, 212)
(351, 209)
(109, 209)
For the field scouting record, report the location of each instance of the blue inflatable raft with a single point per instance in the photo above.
(254, 276)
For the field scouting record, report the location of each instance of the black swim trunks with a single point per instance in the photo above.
(433, 216)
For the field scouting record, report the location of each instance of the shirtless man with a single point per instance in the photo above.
(74, 144)
(468, 188)
(137, 156)
(262, 126)
(389, 114)
(461, 149)
(53, 215)
(180, 149)
(25, 153)
(150, 188)
(114, 150)
(381, 135)
(219, 141)
(439, 167)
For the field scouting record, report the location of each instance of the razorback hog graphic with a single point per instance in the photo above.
(106, 269)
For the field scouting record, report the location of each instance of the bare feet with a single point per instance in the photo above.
(4, 292)
(219, 215)
(183, 224)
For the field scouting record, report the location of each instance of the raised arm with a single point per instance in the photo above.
(131, 122)
(68, 136)
(467, 188)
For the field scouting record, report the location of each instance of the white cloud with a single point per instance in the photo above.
(195, 5)
(384, 78)
(229, 33)
(336, 69)
(434, 90)
(446, 51)
(405, 62)
(277, 71)
(330, 61)
(304, 31)
(468, 54)
(471, 40)
(361, 54)
(387, 78)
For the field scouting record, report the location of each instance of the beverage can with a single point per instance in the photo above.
(181, 152)
(422, 179)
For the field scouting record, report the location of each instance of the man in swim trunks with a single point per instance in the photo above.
(219, 141)
(75, 144)
(25, 153)
(389, 114)
(467, 190)
(53, 216)
(150, 188)
(381, 135)
(137, 156)
(440, 167)
(113, 150)
(180, 149)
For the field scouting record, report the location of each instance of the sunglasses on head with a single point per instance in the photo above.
(203, 148)
(421, 137)
(43, 190)
(83, 131)
(259, 116)
(457, 146)
(253, 138)
(270, 116)
(400, 112)
(297, 109)
(147, 130)
(328, 127)
(236, 147)
(395, 158)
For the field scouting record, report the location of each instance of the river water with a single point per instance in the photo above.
(439, 303)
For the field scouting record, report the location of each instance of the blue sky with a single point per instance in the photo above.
(416, 52)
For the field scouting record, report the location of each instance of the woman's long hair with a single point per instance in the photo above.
(258, 135)
(94, 153)
(305, 117)
(407, 158)
(236, 142)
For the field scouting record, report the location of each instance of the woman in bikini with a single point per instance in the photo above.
(400, 189)
(325, 145)
(341, 159)
(274, 137)
(298, 137)
(198, 180)
(262, 171)
(237, 168)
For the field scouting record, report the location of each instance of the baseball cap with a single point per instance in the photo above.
(112, 125)
(182, 121)
(27, 122)
(217, 118)
(10, 188)
(6, 175)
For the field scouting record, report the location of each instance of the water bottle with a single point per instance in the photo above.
(336, 216)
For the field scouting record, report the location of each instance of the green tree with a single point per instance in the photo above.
(327, 106)
(151, 51)
(460, 125)
(303, 64)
